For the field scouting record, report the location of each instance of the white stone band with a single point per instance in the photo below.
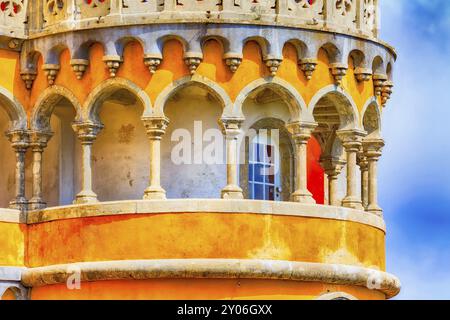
(12, 216)
(215, 269)
(206, 206)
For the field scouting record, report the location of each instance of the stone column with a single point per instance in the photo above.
(333, 167)
(352, 141)
(156, 128)
(373, 150)
(231, 130)
(364, 168)
(301, 133)
(39, 142)
(87, 133)
(20, 142)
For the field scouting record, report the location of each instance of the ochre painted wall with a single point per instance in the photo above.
(202, 235)
(200, 290)
(12, 244)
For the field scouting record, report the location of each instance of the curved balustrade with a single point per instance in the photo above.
(357, 17)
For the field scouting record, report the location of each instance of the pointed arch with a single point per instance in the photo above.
(290, 96)
(108, 87)
(371, 117)
(14, 109)
(344, 103)
(45, 104)
(213, 88)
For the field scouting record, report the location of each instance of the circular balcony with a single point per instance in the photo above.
(314, 248)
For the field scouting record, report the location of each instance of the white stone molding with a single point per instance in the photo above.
(336, 296)
(215, 269)
(10, 279)
(215, 206)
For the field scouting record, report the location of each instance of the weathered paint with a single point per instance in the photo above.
(199, 290)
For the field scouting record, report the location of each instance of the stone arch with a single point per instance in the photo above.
(289, 95)
(344, 103)
(378, 66)
(263, 43)
(40, 118)
(359, 58)
(105, 89)
(213, 88)
(14, 109)
(371, 118)
(336, 296)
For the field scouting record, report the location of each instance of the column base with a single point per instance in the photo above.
(37, 204)
(375, 210)
(86, 198)
(155, 193)
(303, 197)
(19, 204)
(352, 203)
(232, 192)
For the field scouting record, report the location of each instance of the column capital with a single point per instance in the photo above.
(39, 139)
(231, 127)
(155, 126)
(362, 161)
(301, 131)
(87, 131)
(20, 139)
(332, 165)
(373, 148)
(351, 139)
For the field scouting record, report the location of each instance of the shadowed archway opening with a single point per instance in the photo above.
(120, 157)
(193, 148)
(8, 162)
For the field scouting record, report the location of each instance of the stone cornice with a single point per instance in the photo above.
(215, 269)
(141, 207)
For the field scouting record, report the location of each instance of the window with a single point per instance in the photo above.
(263, 170)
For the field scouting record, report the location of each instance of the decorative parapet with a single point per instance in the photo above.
(359, 17)
(13, 18)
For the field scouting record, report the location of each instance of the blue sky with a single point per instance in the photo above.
(415, 169)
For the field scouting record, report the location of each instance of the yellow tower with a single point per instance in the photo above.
(181, 149)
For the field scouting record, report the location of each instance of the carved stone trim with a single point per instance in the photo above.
(216, 269)
(273, 65)
(363, 74)
(338, 70)
(308, 66)
(152, 62)
(51, 72)
(79, 66)
(113, 64)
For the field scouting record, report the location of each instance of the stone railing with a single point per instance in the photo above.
(13, 18)
(47, 16)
